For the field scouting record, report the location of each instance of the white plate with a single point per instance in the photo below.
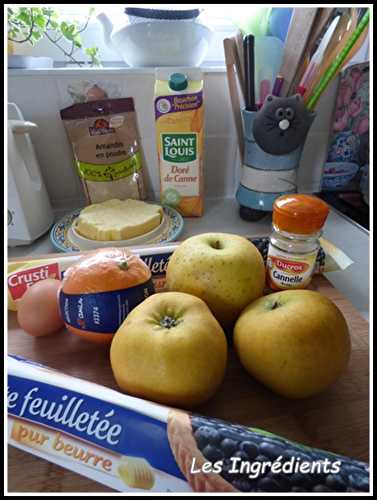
(61, 234)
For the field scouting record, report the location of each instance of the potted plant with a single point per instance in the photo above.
(31, 24)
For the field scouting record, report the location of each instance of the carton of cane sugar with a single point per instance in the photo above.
(180, 136)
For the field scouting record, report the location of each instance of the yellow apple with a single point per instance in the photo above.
(225, 270)
(296, 342)
(170, 349)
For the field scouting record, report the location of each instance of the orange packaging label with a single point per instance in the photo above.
(286, 271)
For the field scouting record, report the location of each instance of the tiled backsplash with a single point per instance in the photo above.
(41, 94)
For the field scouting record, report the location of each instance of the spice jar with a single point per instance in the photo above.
(297, 221)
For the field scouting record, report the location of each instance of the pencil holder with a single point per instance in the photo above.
(274, 138)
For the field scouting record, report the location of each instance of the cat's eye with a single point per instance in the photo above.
(279, 113)
(289, 113)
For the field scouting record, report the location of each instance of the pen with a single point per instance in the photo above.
(249, 73)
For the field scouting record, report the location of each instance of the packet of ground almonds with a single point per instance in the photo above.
(104, 138)
(134, 445)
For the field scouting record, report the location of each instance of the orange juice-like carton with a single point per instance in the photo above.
(179, 117)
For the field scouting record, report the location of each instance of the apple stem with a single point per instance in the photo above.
(275, 305)
(216, 245)
(123, 265)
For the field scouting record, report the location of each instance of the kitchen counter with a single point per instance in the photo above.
(222, 215)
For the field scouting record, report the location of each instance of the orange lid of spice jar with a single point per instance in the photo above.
(299, 213)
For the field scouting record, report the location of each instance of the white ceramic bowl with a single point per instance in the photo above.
(163, 43)
(83, 243)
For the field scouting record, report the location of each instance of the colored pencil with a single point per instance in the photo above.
(276, 90)
(337, 64)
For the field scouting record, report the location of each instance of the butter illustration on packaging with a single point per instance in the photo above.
(179, 117)
(136, 473)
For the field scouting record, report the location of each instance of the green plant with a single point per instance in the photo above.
(31, 24)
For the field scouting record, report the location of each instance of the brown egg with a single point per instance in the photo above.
(38, 309)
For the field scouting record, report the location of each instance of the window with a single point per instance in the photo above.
(217, 16)
(222, 18)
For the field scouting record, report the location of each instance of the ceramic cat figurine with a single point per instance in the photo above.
(281, 125)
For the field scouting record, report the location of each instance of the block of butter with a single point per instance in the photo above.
(134, 445)
(115, 220)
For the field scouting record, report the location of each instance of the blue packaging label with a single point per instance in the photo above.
(115, 428)
(157, 263)
(102, 312)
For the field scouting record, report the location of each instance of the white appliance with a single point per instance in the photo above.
(29, 210)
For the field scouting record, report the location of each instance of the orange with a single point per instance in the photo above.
(100, 290)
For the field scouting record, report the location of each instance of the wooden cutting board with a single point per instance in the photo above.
(336, 420)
